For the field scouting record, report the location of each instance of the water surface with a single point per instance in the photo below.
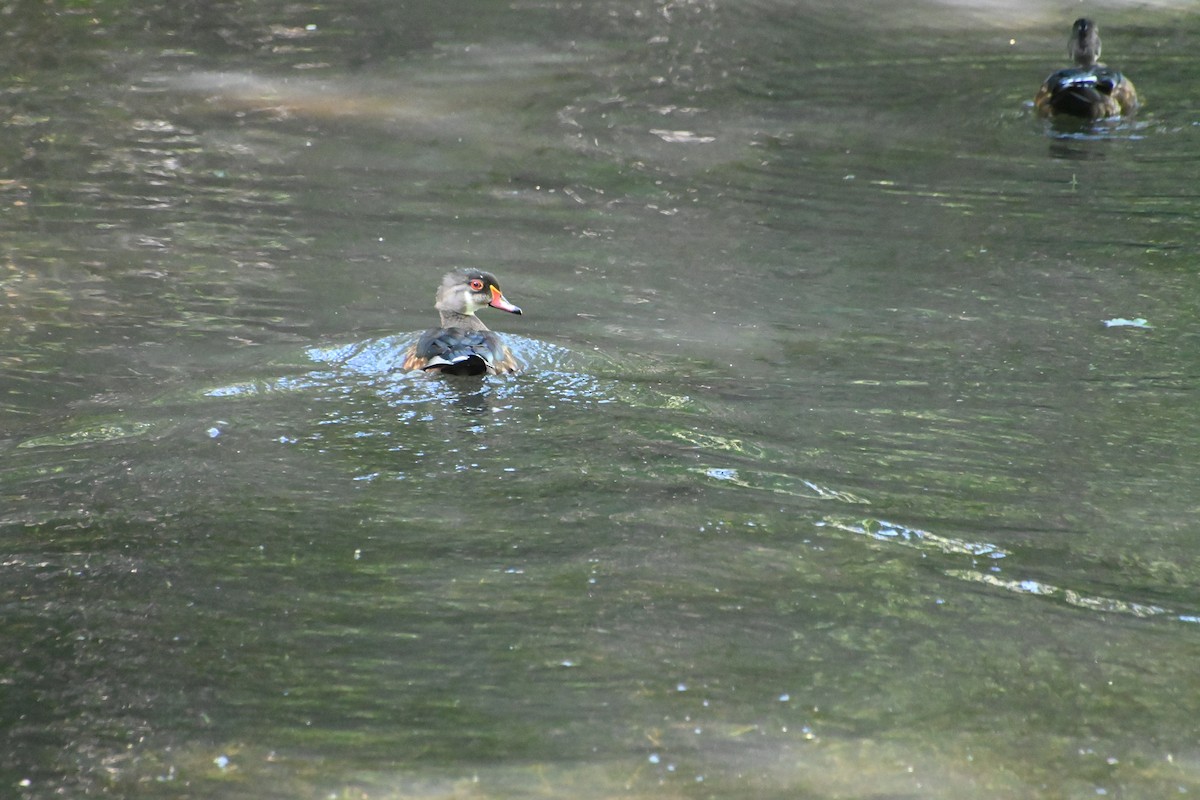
(826, 476)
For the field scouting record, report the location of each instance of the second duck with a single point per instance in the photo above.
(1089, 89)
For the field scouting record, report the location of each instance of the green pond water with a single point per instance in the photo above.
(857, 452)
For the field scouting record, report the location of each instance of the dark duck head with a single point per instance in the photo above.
(463, 345)
(1089, 89)
(1084, 44)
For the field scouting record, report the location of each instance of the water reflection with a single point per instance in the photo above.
(991, 575)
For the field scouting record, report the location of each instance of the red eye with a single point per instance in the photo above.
(476, 285)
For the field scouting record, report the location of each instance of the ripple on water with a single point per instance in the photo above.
(559, 372)
(386, 422)
(988, 566)
(382, 356)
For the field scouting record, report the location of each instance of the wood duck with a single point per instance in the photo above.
(1089, 89)
(463, 345)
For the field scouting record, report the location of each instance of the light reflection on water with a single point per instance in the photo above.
(557, 373)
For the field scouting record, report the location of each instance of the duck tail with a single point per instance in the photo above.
(1082, 100)
(458, 364)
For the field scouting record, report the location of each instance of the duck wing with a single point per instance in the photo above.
(456, 351)
(1083, 92)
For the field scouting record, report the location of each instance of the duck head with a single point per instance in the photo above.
(465, 291)
(1084, 45)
